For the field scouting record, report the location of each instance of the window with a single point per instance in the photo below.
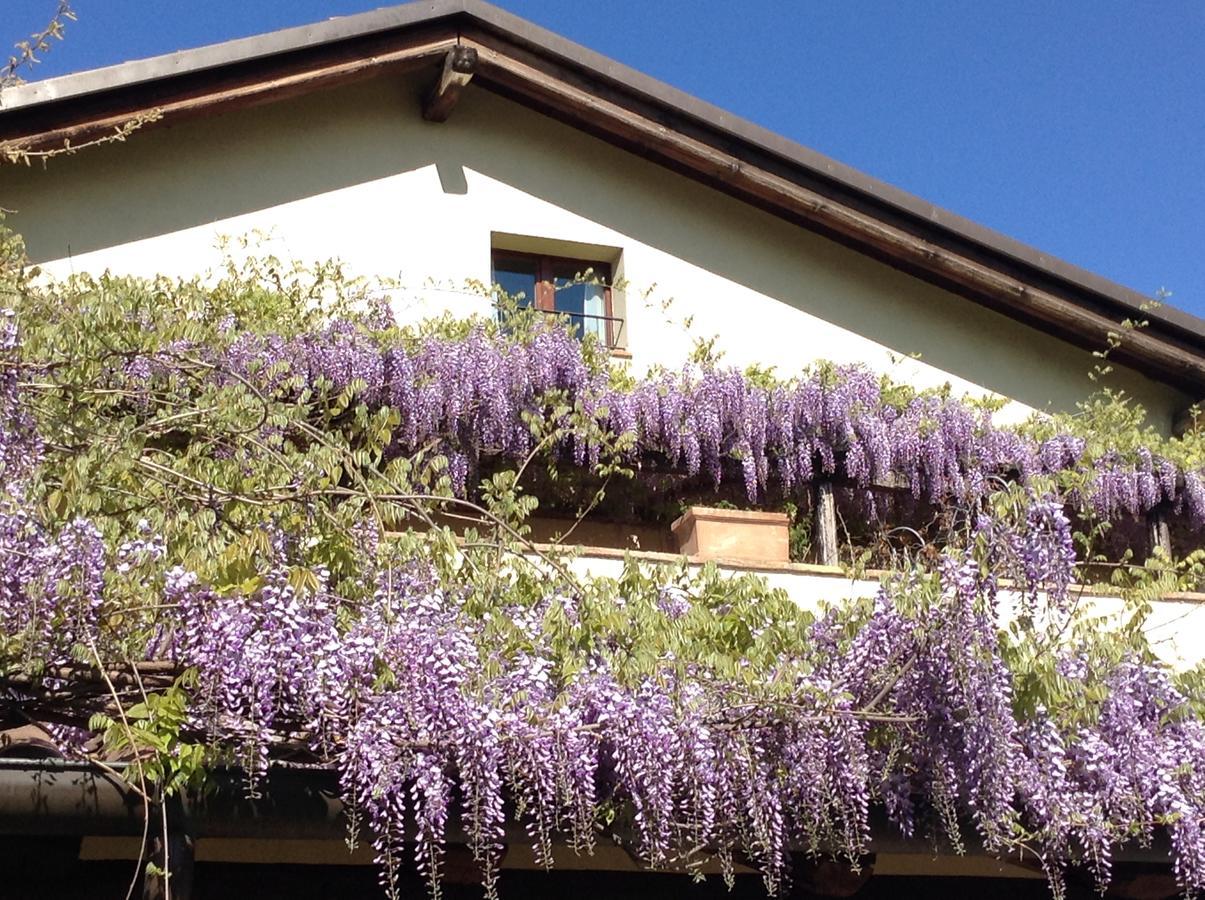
(577, 288)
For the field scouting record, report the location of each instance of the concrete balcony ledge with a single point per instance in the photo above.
(1175, 628)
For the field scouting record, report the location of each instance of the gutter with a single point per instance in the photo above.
(55, 797)
(49, 798)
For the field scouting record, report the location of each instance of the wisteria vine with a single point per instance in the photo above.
(465, 685)
(438, 701)
(467, 395)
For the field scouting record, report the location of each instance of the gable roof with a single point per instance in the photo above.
(539, 69)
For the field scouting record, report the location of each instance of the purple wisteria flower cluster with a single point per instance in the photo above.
(526, 717)
(468, 396)
(523, 717)
(471, 689)
(51, 588)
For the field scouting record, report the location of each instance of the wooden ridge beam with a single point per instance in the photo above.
(460, 64)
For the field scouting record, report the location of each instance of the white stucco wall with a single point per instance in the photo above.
(356, 173)
(1175, 627)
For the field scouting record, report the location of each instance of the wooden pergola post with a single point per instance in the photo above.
(1158, 534)
(824, 523)
(168, 853)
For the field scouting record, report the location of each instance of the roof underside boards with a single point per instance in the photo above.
(606, 99)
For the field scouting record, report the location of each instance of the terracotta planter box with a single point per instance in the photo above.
(708, 533)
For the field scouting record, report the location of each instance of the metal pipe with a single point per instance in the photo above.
(46, 797)
(56, 797)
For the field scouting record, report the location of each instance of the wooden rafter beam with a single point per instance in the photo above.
(460, 65)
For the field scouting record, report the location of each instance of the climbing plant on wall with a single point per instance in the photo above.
(254, 518)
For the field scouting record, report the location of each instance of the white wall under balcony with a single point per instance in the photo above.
(355, 173)
(1175, 626)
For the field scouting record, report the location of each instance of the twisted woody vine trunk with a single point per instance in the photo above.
(231, 504)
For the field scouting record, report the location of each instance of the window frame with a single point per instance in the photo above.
(548, 268)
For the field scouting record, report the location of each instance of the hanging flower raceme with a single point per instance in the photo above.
(461, 687)
(472, 397)
(51, 589)
(433, 718)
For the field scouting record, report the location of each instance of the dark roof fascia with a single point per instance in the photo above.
(46, 797)
(215, 56)
(678, 109)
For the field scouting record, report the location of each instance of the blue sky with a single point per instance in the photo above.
(1078, 127)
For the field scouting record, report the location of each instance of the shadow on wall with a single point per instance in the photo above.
(177, 177)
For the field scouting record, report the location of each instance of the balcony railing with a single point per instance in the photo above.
(608, 329)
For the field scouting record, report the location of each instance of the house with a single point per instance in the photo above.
(449, 146)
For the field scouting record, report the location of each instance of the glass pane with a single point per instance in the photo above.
(517, 277)
(586, 306)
